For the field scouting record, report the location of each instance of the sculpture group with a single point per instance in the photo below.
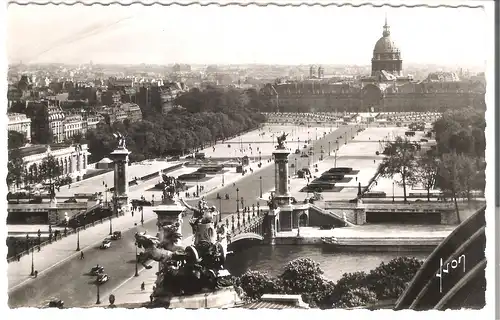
(187, 269)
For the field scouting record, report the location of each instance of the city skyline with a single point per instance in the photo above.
(122, 35)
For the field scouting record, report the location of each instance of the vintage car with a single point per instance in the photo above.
(116, 235)
(56, 303)
(106, 244)
(97, 270)
(102, 278)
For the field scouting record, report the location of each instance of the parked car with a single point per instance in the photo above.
(56, 303)
(116, 235)
(106, 244)
(97, 270)
(102, 278)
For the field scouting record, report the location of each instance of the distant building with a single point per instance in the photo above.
(133, 111)
(73, 125)
(20, 123)
(111, 97)
(386, 89)
(47, 121)
(72, 159)
(181, 68)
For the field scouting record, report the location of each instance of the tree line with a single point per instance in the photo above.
(202, 118)
(49, 170)
(305, 277)
(456, 164)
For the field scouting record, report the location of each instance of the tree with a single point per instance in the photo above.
(426, 171)
(256, 283)
(400, 162)
(389, 280)
(50, 170)
(16, 168)
(449, 173)
(304, 276)
(15, 139)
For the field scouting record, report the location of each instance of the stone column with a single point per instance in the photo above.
(281, 172)
(120, 158)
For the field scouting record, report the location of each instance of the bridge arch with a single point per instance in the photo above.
(247, 236)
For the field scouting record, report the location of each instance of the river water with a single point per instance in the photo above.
(272, 259)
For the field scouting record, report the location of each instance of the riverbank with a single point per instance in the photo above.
(370, 237)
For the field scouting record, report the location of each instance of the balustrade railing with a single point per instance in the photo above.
(59, 237)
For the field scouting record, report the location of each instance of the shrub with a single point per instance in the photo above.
(389, 280)
(356, 297)
(256, 283)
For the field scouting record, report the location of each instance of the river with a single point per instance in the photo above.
(272, 259)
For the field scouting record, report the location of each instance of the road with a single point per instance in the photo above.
(249, 185)
(70, 281)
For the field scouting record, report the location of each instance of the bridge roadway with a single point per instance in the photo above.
(69, 280)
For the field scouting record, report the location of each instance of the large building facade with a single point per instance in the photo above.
(20, 123)
(386, 89)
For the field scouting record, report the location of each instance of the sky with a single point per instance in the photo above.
(235, 35)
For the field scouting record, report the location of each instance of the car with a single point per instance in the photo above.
(106, 243)
(56, 303)
(97, 270)
(102, 278)
(116, 235)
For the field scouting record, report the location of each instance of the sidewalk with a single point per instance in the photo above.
(59, 251)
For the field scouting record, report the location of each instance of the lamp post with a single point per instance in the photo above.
(337, 142)
(237, 200)
(136, 274)
(393, 191)
(111, 224)
(98, 294)
(153, 199)
(142, 215)
(32, 261)
(78, 237)
(295, 166)
(260, 181)
(220, 209)
(329, 148)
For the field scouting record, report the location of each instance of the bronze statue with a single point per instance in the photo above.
(281, 141)
(120, 139)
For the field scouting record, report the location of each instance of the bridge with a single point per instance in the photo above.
(248, 225)
(453, 276)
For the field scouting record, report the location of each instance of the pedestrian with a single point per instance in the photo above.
(82, 256)
(151, 298)
(18, 257)
(143, 286)
(36, 273)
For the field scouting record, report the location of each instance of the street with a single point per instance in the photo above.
(70, 281)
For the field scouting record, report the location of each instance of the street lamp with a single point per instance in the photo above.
(111, 224)
(295, 167)
(98, 294)
(237, 200)
(78, 238)
(220, 208)
(328, 147)
(260, 180)
(136, 258)
(153, 198)
(32, 261)
(142, 215)
(393, 191)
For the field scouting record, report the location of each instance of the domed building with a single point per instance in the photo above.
(386, 55)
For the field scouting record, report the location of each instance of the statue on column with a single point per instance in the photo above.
(281, 141)
(120, 139)
(188, 269)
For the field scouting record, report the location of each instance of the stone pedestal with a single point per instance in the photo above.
(120, 196)
(282, 197)
(222, 298)
(270, 226)
(169, 213)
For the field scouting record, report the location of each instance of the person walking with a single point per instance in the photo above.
(143, 286)
(82, 255)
